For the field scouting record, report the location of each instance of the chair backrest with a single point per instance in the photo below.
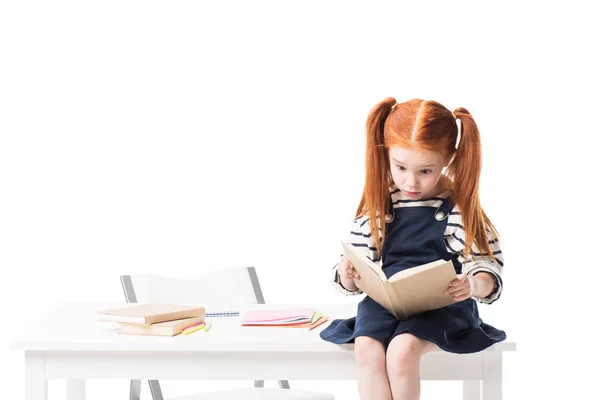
(220, 290)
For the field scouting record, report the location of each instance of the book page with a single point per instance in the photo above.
(415, 270)
(396, 300)
(350, 250)
(370, 280)
(423, 290)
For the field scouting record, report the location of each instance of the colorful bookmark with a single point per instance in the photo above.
(193, 329)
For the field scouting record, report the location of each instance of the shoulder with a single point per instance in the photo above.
(360, 229)
(360, 237)
(361, 222)
(360, 226)
(454, 234)
(455, 221)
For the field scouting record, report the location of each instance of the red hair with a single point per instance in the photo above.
(419, 124)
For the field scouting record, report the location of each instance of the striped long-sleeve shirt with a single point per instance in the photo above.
(454, 239)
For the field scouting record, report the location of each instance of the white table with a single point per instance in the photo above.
(69, 344)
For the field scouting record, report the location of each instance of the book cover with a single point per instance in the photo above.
(406, 293)
(168, 328)
(150, 313)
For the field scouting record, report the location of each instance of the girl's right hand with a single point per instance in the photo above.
(348, 275)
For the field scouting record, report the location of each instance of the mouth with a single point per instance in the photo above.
(412, 194)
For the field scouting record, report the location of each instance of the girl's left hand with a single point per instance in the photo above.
(461, 288)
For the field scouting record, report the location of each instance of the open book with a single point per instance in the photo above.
(408, 292)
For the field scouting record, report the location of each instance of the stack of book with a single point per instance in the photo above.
(155, 319)
(308, 318)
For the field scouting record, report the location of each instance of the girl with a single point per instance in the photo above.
(420, 203)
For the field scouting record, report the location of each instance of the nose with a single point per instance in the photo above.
(411, 181)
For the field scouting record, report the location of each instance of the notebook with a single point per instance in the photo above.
(309, 325)
(150, 313)
(283, 316)
(168, 328)
(223, 314)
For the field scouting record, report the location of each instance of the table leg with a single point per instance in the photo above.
(471, 390)
(36, 386)
(75, 390)
(492, 375)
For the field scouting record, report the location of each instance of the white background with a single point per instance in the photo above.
(182, 137)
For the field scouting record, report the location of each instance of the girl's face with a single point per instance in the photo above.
(416, 172)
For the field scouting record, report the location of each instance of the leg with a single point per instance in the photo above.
(403, 359)
(36, 386)
(75, 390)
(492, 375)
(471, 390)
(135, 389)
(370, 362)
(155, 390)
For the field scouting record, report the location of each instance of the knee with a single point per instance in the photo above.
(403, 354)
(369, 353)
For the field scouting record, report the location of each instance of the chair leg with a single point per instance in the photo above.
(284, 384)
(471, 390)
(155, 390)
(135, 388)
(260, 299)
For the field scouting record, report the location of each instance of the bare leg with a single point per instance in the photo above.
(403, 359)
(370, 362)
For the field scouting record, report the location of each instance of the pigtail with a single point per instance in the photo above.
(464, 172)
(376, 194)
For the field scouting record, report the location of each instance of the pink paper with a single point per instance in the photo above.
(296, 314)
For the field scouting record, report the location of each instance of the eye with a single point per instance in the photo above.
(426, 171)
(401, 168)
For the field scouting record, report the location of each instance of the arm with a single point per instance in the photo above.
(485, 272)
(347, 285)
(360, 237)
(484, 284)
(480, 286)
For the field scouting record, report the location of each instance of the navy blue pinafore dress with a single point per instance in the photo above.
(413, 238)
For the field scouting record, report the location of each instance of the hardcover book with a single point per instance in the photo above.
(408, 292)
(150, 313)
(168, 328)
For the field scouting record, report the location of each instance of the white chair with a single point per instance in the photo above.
(225, 289)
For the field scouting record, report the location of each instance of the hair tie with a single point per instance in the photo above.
(458, 136)
(394, 106)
